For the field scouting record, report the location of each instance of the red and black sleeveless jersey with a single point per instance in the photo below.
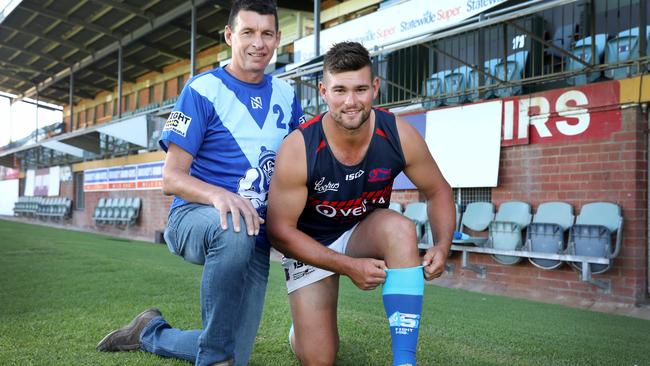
(339, 196)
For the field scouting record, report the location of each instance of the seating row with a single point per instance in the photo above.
(27, 206)
(459, 85)
(44, 207)
(462, 83)
(622, 49)
(117, 211)
(548, 238)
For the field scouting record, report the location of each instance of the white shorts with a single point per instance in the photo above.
(298, 274)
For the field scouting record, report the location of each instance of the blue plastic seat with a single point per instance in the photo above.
(546, 233)
(515, 64)
(477, 218)
(489, 68)
(624, 47)
(456, 85)
(417, 212)
(309, 107)
(592, 234)
(435, 89)
(506, 231)
(582, 50)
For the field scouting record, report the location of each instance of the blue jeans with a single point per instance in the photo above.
(235, 273)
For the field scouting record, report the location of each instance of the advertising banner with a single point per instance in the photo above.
(583, 112)
(394, 24)
(128, 177)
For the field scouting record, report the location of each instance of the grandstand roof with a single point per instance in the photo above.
(41, 42)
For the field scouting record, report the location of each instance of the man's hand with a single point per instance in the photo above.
(434, 262)
(367, 273)
(226, 201)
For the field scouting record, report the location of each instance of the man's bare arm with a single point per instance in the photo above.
(287, 198)
(423, 171)
(178, 181)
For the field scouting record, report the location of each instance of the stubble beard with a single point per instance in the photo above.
(339, 118)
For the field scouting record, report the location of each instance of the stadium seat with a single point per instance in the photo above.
(107, 211)
(309, 107)
(417, 212)
(124, 211)
(98, 209)
(582, 50)
(117, 212)
(456, 85)
(435, 89)
(477, 218)
(623, 48)
(506, 231)
(153, 140)
(395, 206)
(515, 64)
(546, 233)
(592, 234)
(475, 77)
(134, 211)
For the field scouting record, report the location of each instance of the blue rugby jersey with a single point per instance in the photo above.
(233, 130)
(339, 196)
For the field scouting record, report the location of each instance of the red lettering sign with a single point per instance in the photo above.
(583, 112)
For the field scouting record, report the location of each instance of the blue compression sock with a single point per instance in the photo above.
(402, 293)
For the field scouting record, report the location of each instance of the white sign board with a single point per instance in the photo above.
(8, 196)
(394, 24)
(466, 143)
(43, 182)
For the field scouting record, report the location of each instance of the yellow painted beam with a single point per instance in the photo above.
(635, 90)
(345, 8)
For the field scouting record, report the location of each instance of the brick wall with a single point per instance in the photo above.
(576, 172)
(153, 214)
(157, 93)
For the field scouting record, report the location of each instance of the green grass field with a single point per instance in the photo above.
(61, 291)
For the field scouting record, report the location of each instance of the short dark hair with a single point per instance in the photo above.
(346, 56)
(263, 7)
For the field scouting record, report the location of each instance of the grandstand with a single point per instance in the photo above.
(536, 112)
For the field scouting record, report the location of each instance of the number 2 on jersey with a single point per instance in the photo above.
(277, 110)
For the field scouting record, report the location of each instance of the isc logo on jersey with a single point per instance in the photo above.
(404, 320)
(177, 122)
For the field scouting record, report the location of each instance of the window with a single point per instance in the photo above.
(79, 198)
(463, 196)
(115, 107)
(126, 103)
(180, 83)
(151, 94)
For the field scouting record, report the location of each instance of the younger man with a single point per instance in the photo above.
(327, 209)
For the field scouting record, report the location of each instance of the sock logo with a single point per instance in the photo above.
(404, 320)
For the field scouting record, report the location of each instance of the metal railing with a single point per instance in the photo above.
(529, 47)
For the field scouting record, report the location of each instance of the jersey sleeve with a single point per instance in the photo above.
(187, 123)
(297, 115)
